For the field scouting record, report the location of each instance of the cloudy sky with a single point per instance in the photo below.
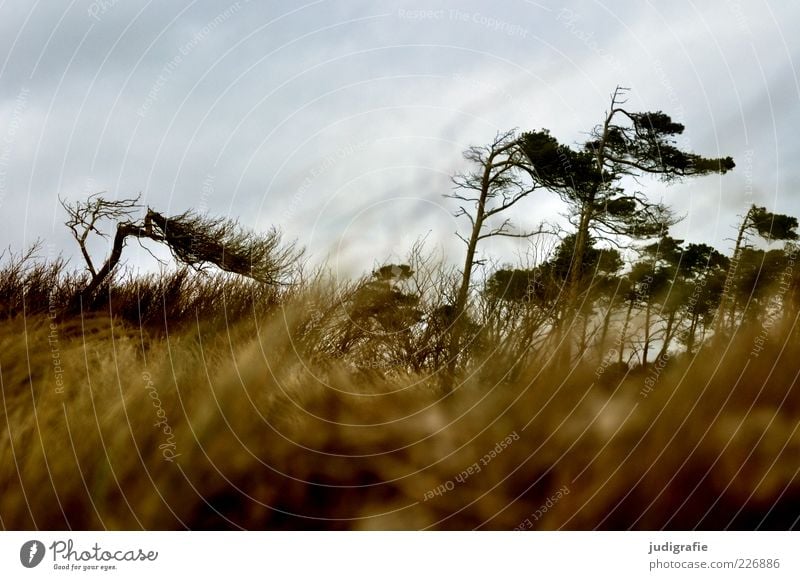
(342, 121)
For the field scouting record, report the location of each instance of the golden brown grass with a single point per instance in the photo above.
(267, 430)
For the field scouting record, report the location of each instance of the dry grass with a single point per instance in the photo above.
(271, 427)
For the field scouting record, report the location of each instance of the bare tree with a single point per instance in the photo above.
(502, 176)
(84, 218)
(194, 240)
(625, 145)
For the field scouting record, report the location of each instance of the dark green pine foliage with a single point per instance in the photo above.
(588, 178)
(768, 226)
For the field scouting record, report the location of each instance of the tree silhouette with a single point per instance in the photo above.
(768, 226)
(194, 240)
(756, 275)
(665, 293)
(701, 276)
(544, 285)
(625, 144)
(382, 315)
(500, 178)
(596, 273)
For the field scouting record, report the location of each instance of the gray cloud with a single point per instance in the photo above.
(341, 121)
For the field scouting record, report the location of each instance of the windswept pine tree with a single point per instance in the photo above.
(769, 227)
(589, 178)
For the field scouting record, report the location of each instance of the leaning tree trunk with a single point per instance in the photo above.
(604, 332)
(669, 334)
(624, 332)
(87, 293)
(567, 333)
(460, 306)
(727, 289)
(690, 339)
(646, 345)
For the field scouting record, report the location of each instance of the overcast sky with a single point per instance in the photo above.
(342, 121)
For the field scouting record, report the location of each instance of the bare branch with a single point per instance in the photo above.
(84, 217)
(462, 238)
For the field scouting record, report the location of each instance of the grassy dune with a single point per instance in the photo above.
(216, 421)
